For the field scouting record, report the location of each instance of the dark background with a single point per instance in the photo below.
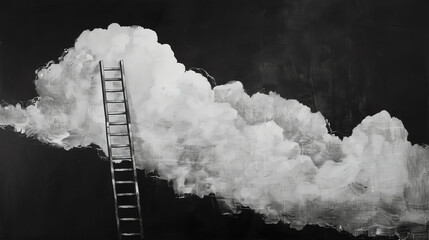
(347, 59)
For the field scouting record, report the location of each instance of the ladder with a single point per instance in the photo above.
(121, 153)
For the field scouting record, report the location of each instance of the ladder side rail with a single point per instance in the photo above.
(127, 110)
(103, 85)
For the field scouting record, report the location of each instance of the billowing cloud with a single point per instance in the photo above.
(263, 151)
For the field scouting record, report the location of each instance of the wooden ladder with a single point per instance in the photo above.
(121, 152)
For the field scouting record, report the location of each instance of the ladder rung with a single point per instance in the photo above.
(118, 123)
(115, 101)
(112, 79)
(129, 219)
(119, 161)
(123, 169)
(127, 206)
(117, 113)
(119, 145)
(112, 69)
(114, 90)
(125, 194)
(131, 234)
(124, 182)
(121, 157)
(118, 134)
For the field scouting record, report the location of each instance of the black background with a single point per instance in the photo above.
(347, 59)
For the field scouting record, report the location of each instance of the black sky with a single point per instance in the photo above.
(347, 59)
